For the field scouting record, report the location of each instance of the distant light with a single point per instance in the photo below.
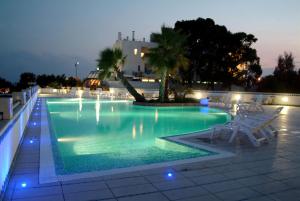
(23, 185)
(170, 174)
(135, 51)
(34, 123)
(142, 54)
(31, 141)
(98, 68)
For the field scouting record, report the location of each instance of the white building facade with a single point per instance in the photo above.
(135, 66)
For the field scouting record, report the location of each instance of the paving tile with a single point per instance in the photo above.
(290, 195)
(133, 190)
(43, 198)
(163, 177)
(237, 194)
(201, 198)
(84, 180)
(173, 184)
(222, 186)
(197, 173)
(254, 180)
(69, 188)
(37, 192)
(239, 174)
(262, 198)
(271, 187)
(209, 179)
(145, 197)
(292, 182)
(88, 195)
(126, 182)
(184, 193)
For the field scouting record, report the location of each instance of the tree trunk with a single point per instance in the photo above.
(162, 86)
(138, 97)
(166, 92)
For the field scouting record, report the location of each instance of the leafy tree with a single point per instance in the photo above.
(217, 55)
(71, 82)
(26, 79)
(109, 63)
(284, 79)
(285, 64)
(168, 57)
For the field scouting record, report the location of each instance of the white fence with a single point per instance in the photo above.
(10, 137)
(268, 98)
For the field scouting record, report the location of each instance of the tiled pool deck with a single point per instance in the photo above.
(270, 172)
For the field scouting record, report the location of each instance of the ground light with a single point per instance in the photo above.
(31, 141)
(23, 184)
(170, 174)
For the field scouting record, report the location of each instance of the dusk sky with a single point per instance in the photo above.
(45, 36)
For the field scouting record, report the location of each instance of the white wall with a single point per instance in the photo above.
(133, 61)
(10, 137)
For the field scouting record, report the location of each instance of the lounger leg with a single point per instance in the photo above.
(234, 133)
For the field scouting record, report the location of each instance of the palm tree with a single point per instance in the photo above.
(110, 62)
(167, 57)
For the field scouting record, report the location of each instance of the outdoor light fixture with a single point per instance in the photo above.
(24, 185)
(285, 99)
(170, 174)
(31, 141)
(76, 67)
(34, 123)
(238, 97)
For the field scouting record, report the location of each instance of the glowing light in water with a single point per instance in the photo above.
(141, 128)
(133, 131)
(156, 116)
(31, 141)
(23, 185)
(112, 109)
(80, 104)
(97, 107)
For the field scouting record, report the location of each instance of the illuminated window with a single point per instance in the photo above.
(142, 54)
(135, 51)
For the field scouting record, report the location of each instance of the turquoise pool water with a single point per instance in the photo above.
(90, 135)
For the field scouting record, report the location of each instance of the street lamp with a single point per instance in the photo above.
(76, 64)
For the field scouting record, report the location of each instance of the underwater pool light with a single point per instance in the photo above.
(23, 185)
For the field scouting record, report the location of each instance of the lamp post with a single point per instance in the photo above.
(76, 64)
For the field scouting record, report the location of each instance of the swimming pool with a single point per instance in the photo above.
(96, 135)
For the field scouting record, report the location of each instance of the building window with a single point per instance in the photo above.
(135, 51)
